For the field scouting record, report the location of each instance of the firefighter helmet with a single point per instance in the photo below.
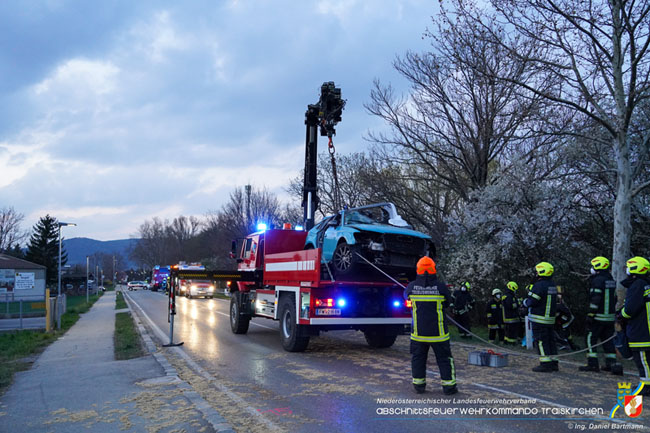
(466, 285)
(512, 286)
(496, 292)
(599, 263)
(426, 264)
(637, 265)
(544, 269)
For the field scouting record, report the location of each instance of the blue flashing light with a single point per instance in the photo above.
(261, 227)
(341, 302)
(299, 228)
(397, 304)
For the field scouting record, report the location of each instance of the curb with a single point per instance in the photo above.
(213, 417)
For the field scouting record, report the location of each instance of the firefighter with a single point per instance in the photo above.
(494, 313)
(510, 309)
(542, 305)
(429, 297)
(463, 303)
(635, 314)
(601, 317)
(563, 320)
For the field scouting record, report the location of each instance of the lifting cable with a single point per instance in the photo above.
(501, 348)
(332, 150)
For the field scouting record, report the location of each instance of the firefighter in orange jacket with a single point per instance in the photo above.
(429, 298)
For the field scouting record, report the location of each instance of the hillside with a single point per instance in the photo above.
(79, 248)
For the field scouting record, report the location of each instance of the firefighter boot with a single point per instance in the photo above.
(555, 365)
(592, 365)
(544, 367)
(419, 388)
(451, 389)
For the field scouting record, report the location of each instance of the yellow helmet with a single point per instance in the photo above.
(544, 269)
(599, 263)
(496, 292)
(512, 286)
(637, 265)
(466, 284)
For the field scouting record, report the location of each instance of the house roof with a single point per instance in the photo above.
(10, 262)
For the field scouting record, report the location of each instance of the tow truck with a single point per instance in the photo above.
(277, 278)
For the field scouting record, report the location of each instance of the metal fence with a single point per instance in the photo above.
(22, 311)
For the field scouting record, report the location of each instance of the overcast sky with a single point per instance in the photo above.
(113, 112)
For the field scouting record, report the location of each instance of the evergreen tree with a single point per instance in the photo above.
(43, 247)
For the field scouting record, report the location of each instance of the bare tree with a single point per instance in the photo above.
(10, 231)
(457, 124)
(590, 58)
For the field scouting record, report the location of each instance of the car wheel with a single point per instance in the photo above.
(344, 259)
(292, 341)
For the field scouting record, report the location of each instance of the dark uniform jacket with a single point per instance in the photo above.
(510, 307)
(636, 310)
(463, 302)
(564, 316)
(602, 296)
(494, 314)
(429, 297)
(542, 302)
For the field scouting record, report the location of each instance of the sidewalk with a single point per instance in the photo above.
(76, 385)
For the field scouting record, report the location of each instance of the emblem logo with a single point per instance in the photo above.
(633, 405)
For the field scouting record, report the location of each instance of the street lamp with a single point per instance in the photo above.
(61, 224)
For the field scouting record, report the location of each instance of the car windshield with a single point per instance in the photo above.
(384, 214)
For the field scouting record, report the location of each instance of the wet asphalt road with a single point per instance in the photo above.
(335, 385)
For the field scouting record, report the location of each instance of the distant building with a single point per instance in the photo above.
(20, 278)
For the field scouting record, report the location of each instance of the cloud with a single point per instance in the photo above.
(122, 111)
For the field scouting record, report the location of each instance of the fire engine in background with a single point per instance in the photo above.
(159, 278)
(184, 284)
(277, 278)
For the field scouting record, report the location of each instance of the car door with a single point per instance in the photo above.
(330, 238)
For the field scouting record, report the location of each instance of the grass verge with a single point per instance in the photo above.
(120, 303)
(18, 349)
(126, 338)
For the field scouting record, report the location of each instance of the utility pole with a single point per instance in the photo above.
(248, 207)
(87, 259)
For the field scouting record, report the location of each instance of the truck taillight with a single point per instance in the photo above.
(329, 302)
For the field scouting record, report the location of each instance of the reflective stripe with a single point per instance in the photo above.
(624, 314)
(430, 339)
(593, 306)
(547, 313)
(533, 295)
(441, 317)
(453, 369)
(597, 290)
(415, 318)
(647, 315)
(605, 317)
(448, 382)
(515, 320)
(418, 381)
(610, 355)
(606, 306)
(640, 344)
(427, 297)
(591, 350)
(644, 361)
(541, 319)
(510, 340)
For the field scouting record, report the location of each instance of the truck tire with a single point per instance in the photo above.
(292, 341)
(379, 340)
(344, 259)
(238, 323)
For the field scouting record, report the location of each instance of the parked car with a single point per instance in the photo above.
(196, 288)
(377, 233)
(133, 285)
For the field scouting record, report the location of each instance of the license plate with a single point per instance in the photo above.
(328, 311)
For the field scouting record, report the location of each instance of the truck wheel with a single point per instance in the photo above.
(379, 340)
(238, 323)
(289, 330)
(344, 259)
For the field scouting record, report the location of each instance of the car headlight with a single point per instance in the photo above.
(193, 287)
(211, 288)
(376, 246)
